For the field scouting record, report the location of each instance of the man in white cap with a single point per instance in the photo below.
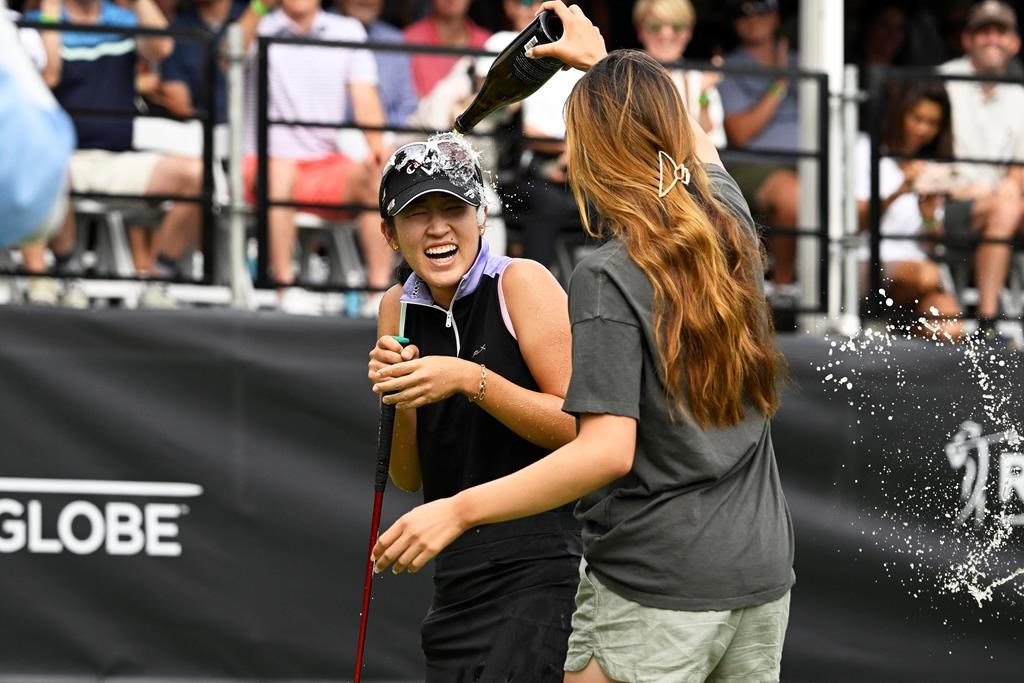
(987, 124)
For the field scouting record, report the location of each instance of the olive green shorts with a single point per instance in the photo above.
(637, 644)
(750, 177)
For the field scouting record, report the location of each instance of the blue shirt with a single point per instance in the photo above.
(99, 73)
(740, 92)
(186, 62)
(36, 140)
(397, 93)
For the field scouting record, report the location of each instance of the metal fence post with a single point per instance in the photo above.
(238, 269)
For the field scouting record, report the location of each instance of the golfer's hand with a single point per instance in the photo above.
(388, 352)
(581, 45)
(415, 383)
(418, 536)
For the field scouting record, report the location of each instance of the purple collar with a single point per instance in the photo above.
(416, 291)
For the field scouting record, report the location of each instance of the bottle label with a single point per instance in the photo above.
(535, 71)
(530, 44)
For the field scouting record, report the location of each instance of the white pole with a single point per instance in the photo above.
(821, 49)
(242, 295)
(847, 256)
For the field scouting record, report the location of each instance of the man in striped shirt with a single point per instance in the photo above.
(99, 73)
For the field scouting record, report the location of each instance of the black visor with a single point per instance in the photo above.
(438, 165)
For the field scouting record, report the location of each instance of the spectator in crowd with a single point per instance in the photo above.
(306, 165)
(394, 69)
(761, 114)
(883, 44)
(987, 124)
(885, 36)
(175, 87)
(34, 134)
(448, 26)
(665, 28)
(919, 126)
(99, 73)
(182, 75)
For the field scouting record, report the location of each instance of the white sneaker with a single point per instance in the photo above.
(298, 301)
(74, 295)
(156, 295)
(370, 305)
(42, 291)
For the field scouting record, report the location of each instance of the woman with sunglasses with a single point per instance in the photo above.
(665, 28)
(688, 544)
(478, 392)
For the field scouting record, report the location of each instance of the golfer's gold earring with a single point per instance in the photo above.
(394, 246)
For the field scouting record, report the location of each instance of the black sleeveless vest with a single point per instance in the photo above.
(460, 444)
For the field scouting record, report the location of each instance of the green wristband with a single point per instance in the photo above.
(777, 89)
(703, 100)
(258, 8)
(47, 19)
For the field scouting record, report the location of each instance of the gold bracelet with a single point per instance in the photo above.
(481, 390)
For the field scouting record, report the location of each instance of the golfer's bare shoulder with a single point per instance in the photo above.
(539, 311)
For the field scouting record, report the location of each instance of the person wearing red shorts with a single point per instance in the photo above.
(313, 83)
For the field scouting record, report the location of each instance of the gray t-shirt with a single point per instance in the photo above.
(741, 92)
(700, 523)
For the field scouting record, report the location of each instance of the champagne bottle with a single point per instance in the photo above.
(514, 76)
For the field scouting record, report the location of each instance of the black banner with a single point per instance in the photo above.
(272, 418)
(188, 494)
(878, 471)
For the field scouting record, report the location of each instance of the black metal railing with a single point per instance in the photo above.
(263, 204)
(263, 123)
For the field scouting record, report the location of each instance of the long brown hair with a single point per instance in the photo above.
(894, 134)
(711, 321)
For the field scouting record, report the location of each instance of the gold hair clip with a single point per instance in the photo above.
(680, 174)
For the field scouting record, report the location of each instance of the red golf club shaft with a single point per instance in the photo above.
(364, 612)
(385, 430)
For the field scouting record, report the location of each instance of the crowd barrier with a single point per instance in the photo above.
(216, 211)
(187, 496)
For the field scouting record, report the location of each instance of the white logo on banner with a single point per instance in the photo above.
(84, 527)
(976, 455)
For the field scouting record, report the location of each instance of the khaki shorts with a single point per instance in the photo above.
(97, 170)
(637, 644)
